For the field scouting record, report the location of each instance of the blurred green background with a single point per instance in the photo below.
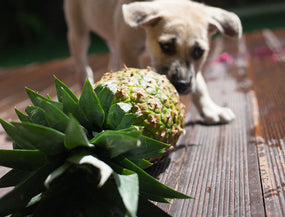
(35, 31)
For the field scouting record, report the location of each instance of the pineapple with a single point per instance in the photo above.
(85, 156)
(153, 97)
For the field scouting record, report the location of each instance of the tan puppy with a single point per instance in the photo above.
(174, 33)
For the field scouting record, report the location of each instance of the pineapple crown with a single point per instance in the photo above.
(80, 157)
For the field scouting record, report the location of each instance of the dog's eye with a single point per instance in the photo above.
(197, 53)
(168, 47)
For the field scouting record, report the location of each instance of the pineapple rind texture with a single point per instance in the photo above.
(152, 96)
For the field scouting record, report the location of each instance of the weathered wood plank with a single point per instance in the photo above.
(266, 68)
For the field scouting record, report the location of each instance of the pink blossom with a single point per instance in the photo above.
(223, 58)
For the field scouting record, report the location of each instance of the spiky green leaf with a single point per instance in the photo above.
(60, 87)
(154, 154)
(47, 140)
(90, 105)
(119, 116)
(116, 142)
(128, 187)
(150, 185)
(22, 116)
(36, 115)
(128, 120)
(142, 163)
(99, 87)
(154, 197)
(106, 95)
(149, 148)
(53, 110)
(37, 99)
(75, 136)
(12, 132)
(22, 159)
(14, 177)
(72, 107)
(55, 117)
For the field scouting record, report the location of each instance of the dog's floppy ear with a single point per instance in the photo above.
(141, 14)
(226, 22)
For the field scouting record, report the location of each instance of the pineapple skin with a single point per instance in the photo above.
(154, 98)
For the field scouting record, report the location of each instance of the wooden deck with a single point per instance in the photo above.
(236, 169)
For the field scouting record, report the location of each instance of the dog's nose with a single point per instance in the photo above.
(182, 86)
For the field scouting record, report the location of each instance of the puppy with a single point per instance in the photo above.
(175, 34)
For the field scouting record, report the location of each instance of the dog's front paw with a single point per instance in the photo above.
(217, 115)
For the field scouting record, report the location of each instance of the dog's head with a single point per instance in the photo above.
(178, 34)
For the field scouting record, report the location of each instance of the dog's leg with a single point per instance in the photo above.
(79, 43)
(130, 54)
(144, 59)
(129, 48)
(115, 62)
(209, 110)
(78, 38)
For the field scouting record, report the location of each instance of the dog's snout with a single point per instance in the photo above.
(179, 77)
(182, 86)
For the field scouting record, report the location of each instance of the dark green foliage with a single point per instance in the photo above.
(27, 21)
(80, 157)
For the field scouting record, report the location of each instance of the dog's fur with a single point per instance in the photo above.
(175, 34)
